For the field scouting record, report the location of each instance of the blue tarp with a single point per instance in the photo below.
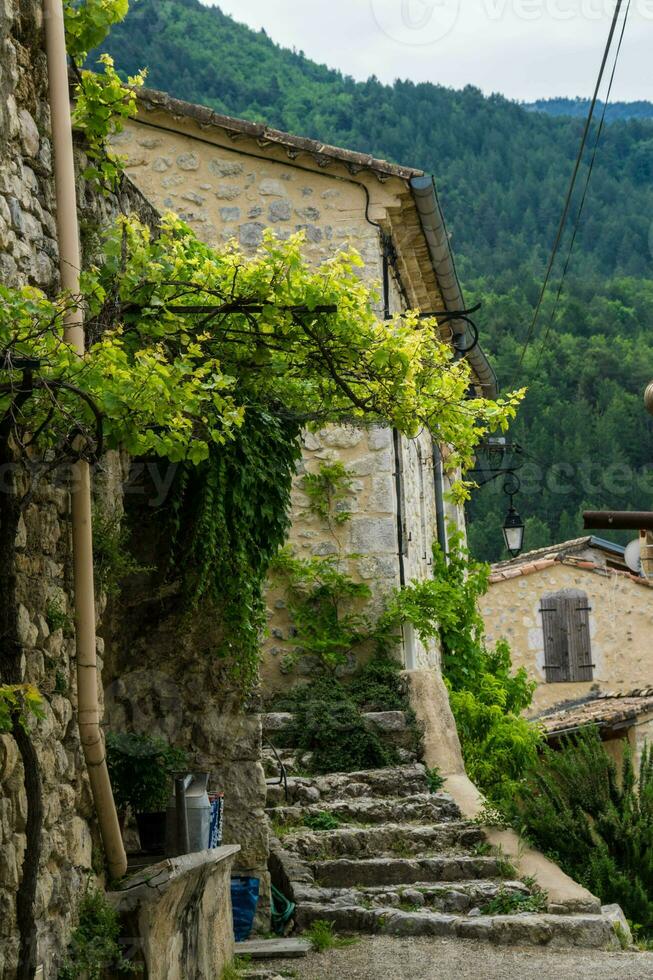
(244, 899)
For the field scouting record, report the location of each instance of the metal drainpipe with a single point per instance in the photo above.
(438, 478)
(88, 709)
(396, 435)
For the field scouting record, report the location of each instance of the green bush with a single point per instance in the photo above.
(330, 726)
(93, 947)
(378, 686)
(596, 820)
(140, 768)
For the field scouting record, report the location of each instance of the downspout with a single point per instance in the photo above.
(88, 709)
(438, 478)
(396, 435)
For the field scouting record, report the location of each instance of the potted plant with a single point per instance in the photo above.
(140, 768)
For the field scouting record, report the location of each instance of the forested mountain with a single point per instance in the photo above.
(502, 172)
(579, 108)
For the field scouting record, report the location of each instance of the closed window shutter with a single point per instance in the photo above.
(581, 667)
(567, 641)
(556, 650)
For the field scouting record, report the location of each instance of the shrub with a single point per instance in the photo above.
(328, 724)
(140, 769)
(377, 685)
(93, 947)
(595, 819)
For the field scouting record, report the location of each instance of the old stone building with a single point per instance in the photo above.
(576, 619)
(230, 179)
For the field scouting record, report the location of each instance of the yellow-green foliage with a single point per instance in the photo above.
(102, 100)
(186, 337)
(20, 702)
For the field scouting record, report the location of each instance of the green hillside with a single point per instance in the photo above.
(579, 107)
(502, 172)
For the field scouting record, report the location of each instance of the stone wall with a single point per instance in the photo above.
(41, 579)
(621, 626)
(37, 644)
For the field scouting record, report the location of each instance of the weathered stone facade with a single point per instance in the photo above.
(40, 579)
(620, 624)
(230, 185)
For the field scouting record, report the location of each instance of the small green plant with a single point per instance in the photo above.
(435, 780)
(94, 947)
(506, 902)
(482, 849)
(61, 685)
(322, 936)
(327, 490)
(492, 816)
(57, 618)
(140, 768)
(232, 971)
(321, 821)
(505, 867)
(282, 826)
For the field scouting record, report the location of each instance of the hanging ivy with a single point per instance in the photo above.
(227, 519)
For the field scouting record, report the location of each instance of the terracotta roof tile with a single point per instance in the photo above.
(605, 710)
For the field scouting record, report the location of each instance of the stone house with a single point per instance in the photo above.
(576, 619)
(225, 177)
(623, 719)
(230, 178)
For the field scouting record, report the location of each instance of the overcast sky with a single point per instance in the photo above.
(525, 49)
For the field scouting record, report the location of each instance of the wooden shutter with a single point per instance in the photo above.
(556, 650)
(567, 642)
(581, 667)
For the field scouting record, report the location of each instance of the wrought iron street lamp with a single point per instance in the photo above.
(513, 526)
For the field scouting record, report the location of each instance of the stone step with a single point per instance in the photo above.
(392, 726)
(419, 808)
(394, 782)
(384, 871)
(527, 929)
(386, 840)
(441, 896)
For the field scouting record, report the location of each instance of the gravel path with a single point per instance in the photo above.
(389, 958)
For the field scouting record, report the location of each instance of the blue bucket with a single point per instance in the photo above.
(244, 900)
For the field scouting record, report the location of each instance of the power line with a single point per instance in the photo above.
(585, 190)
(574, 177)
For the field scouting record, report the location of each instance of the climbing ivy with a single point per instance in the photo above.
(227, 519)
(326, 607)
(486, 696)
(326, 490)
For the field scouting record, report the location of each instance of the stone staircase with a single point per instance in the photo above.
(398, 859)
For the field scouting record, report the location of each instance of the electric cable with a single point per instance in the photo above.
(574, 177)
(585, 190)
